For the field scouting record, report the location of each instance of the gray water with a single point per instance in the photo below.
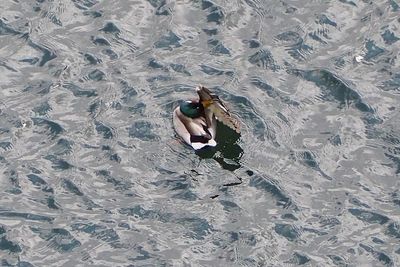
(92, 173)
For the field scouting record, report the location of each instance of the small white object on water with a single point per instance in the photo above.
(359, 58)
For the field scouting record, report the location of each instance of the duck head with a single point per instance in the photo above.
(191, 109)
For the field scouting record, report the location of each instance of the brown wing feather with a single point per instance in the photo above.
(216, 106)
(194, 126)
(226, 118)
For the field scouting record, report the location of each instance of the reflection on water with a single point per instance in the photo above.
(94, 175)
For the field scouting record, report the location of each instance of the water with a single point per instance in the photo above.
(92, 173)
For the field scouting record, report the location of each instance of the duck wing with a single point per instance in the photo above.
(193, 126)
(225, 116)
(213, 105)
(199, 133)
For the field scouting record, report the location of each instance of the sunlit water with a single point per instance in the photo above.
(92, 173)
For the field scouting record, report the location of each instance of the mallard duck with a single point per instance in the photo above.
(195, 121)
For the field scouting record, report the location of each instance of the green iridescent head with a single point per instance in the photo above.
(191, 109)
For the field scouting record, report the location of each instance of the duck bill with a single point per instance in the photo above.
(204, 93)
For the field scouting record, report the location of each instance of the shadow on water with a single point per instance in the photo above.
(227, 152)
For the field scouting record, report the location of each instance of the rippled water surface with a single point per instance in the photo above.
(92, 173)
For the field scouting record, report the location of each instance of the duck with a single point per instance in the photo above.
(195, 121)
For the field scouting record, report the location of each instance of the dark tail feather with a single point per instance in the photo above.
(199, 139)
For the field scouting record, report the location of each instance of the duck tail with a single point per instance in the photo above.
(200, 145)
